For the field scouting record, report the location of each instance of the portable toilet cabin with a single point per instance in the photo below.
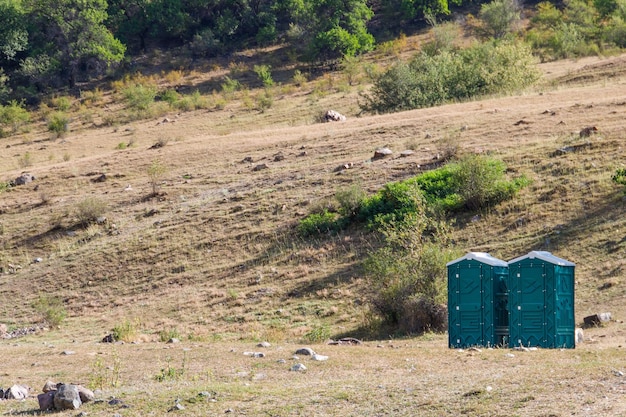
(541, 300)
(477, 301)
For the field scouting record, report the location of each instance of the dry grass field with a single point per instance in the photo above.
(213, 257)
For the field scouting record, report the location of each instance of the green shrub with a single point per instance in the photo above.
(140, 96)
(620, 177)
(318, 334)
(194, 101)
(166, 335)
(156, 172)
(318, 223)
(265, 75)
(63, 103)
(126, 331)
(170, 96)
(51, 308)
(230, 85)
(58, 124)
(90, 209)
(13, 115)
(350, 200)
(497, 67)
(391, 204)
(408, 274)
(481, 181)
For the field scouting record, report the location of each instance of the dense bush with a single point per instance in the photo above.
(51, 308)
(13, 115)
(318, 223)
(497, 67)
(408, 274)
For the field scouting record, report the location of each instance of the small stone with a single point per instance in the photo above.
(173, 340)
(264, 344)
(281, 361)
(298, 368)
(381, 153)
(319, 358)
(305, 351)
(260, 167)
(86, 395)
(406, 153)
(38, 260)
(68, 352)
(580, 336)
(49, 386)
(177, 407)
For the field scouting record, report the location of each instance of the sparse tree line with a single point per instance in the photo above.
(49, 44)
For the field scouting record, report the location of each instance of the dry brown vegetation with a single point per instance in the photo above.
(213, 256)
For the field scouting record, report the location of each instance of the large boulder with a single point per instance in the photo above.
(67, 397)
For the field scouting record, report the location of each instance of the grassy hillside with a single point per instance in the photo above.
(213, 256)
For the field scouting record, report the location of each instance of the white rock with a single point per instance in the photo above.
(320, 358)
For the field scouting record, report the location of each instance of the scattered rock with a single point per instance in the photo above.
(346, 341)
(67, 397)
(49, 386)
(260, 167)
(25, 178)
(68, 352)
(406, 153)
(108, 338)
(17, 392)
(587, 131)
(46, 400)
(319, 358)
(305, 351)
(177, 407)
(247, 159)
(381, 153)
(580, 336)
(574, 148)
(597, 319)
(298, 368)
(334, 116)
(86, 395)
(279, 157)
(521, 122)
(255, 354)
(343, 167)
(605, 286)
(100, 178)
(173, 340)
(101, 220)
(264, 344)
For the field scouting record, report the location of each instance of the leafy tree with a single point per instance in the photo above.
(13, 33)
(73, 33)
(498, 18)
(411, 9)
(336, 28)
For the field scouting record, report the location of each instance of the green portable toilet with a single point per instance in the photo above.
(541, 300)
(477, 301)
